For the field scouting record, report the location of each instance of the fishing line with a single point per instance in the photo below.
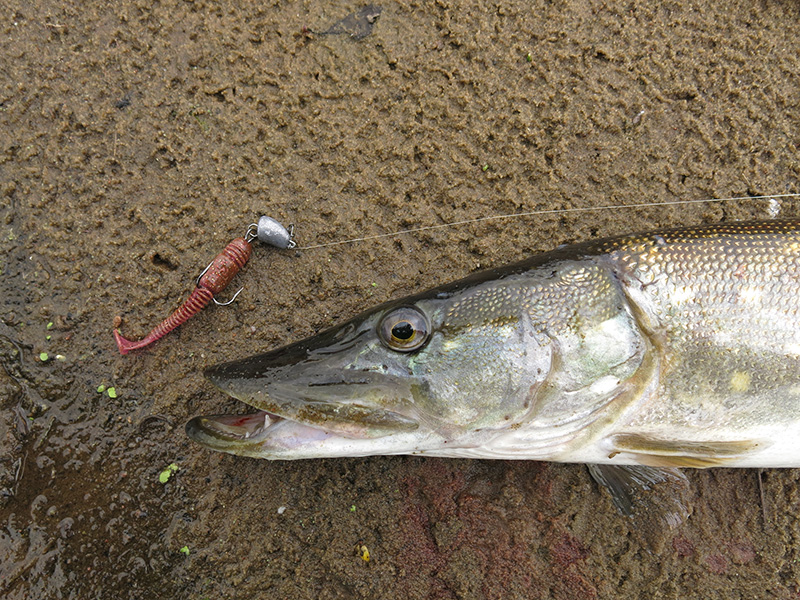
(533, 213)
(219, 273)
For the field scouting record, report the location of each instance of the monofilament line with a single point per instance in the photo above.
(534, 213)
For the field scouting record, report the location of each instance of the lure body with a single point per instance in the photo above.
(214, 279)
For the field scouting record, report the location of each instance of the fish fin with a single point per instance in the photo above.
(633, 491)
(657, 452)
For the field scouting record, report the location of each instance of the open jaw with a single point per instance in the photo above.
(257, 434)
(266, 435)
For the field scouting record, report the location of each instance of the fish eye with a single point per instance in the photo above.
(404, 329)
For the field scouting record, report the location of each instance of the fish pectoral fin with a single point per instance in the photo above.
(634, 488)
(657, 452)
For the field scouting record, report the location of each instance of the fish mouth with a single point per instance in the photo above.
(249, 434)
(305, 410)
(231, 428)
(266, 435)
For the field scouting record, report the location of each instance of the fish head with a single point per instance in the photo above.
(429, 374)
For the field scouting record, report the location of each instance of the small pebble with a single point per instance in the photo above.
(774, 208)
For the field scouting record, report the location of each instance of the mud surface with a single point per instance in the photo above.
(137, 138)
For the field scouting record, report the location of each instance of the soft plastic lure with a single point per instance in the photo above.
(214, 279)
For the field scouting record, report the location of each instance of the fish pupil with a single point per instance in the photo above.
(403, 331)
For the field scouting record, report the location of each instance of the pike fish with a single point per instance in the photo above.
(676, 348)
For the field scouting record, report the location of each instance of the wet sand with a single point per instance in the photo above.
(137, 139)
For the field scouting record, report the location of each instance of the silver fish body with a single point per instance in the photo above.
(668, 349)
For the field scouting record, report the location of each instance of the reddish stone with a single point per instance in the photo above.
(683, 546)
(716, 563)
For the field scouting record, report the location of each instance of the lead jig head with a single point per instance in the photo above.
(269, 231)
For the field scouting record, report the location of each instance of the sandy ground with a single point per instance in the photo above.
(137, 138)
